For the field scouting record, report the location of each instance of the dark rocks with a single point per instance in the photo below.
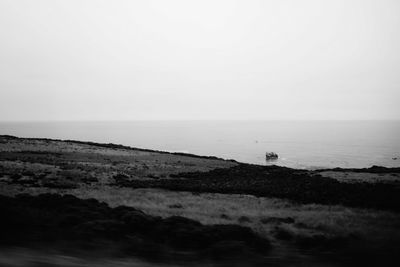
(271, 156)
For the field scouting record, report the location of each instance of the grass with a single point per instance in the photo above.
(213, 208)
(291, 226)
(262, 214)
(279, 182)
(208, 208)
(73, 224)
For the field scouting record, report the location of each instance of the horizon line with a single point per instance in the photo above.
(194, 120)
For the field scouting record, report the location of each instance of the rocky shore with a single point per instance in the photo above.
(75, 196)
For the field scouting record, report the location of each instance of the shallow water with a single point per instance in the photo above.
(300, 144)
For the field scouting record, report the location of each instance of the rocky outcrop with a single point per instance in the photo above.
(271, 156)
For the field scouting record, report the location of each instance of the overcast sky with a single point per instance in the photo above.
(129, 60)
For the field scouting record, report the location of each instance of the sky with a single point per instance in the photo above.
(199, 60)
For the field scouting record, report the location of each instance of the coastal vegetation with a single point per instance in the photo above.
(165, 207)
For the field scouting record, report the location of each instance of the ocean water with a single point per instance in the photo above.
(299, 144)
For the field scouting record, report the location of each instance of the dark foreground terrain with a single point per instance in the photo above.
(111, 201)
(72, 224)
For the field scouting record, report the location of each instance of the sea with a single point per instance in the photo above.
(299, 144)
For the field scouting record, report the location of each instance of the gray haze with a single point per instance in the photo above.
(127, 60)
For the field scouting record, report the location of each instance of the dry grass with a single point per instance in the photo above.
(104, 163)
(263, 215)
(377, 229)
(223, 208)
(267, 216)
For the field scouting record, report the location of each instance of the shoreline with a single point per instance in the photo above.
(145, 168)
(115, 146)
(333, 212)
(373, 168)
